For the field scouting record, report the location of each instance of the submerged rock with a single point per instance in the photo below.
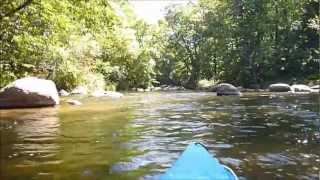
(29, 92)
(172, 88)
(111, 94)
(161, 88)
(225, 89)
(241, 89)
(279, 87)
(74, 102)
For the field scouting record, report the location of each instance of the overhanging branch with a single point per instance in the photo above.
(20, 7)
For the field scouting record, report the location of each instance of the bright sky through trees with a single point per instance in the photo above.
(153, 10)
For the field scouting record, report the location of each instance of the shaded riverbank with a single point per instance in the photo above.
(138, 136)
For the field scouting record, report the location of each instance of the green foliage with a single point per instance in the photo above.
(203, 84)
(101, 44)
(94, 81)
(74, 43)
(68, 75)
(248, 43)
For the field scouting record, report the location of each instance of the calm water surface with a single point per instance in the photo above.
(260, 136)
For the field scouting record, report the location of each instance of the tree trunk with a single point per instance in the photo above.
(195, 75)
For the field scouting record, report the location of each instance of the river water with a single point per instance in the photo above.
(260, 136)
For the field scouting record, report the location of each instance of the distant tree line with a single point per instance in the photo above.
(246, 42)
(100, 43)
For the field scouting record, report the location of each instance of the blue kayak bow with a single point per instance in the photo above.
(196, 163)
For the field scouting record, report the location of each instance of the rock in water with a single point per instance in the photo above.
(80, 90)
(113, 94)
(140, 90)
(225, 89)
(157, 89)
(29, 92)
(279, 87)
(74, 102)
(63, 92)
(98, 93)
(300, 88)
(316, 88)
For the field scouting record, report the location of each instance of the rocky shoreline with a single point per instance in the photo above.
(34, 92)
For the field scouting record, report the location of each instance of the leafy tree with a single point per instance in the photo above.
(102, 43)
(67, 40)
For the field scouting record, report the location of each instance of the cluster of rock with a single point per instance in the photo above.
(98, 93)
(169, 88)
(102, 93)
(35, 92)
(225, 89)
(83, 91)
(296, 88)
(74, 102)
(160, 88)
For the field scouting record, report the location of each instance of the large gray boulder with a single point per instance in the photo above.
(225, 89)
(279, 87)
(29, 92)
